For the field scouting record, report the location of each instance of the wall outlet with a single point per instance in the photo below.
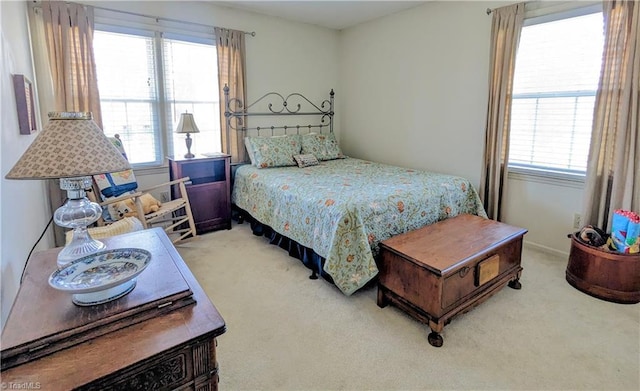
(164, 196)
(577, 220)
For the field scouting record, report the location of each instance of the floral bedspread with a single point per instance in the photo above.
(344, 208)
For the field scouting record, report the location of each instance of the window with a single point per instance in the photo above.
(146, 80)
(556, 77)
(191, 74)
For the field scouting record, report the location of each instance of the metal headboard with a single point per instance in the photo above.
(292, 105)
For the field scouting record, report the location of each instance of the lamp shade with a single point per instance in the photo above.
(187, 124)
(71, 145)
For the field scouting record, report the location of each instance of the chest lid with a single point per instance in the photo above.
(446, 245)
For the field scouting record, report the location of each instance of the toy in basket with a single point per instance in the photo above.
(625, 231)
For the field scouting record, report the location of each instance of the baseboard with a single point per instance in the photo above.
(546, 249)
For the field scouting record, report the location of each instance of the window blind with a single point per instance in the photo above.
(191, 85)
(150, 70)
(556, 78)
(128, 92)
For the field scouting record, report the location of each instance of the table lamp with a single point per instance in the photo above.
(187, 125)
(71, 148)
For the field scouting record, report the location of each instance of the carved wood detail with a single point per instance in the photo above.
(201, 359)
(160, 376)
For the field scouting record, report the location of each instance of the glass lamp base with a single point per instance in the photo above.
(81, 245)
(77, 213)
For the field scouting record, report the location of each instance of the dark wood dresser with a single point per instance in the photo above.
(171, 345)
(209, 189)
(439, 271)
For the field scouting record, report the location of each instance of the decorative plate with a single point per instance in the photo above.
(101, 277)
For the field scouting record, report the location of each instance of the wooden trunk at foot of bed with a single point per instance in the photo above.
(433, 278)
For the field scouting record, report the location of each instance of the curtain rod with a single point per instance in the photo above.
(157, 18)
(534, 7)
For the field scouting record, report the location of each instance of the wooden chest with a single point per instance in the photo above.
(444, 269)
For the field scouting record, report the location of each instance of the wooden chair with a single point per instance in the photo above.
(174, 216)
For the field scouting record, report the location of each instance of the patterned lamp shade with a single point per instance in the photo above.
(71, 145)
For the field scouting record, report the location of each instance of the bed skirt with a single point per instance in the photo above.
(306, 255)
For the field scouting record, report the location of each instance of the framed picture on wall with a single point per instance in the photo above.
(25, 102)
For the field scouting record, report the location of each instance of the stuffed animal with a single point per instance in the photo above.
(127, 208)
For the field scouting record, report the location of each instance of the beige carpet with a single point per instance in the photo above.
(286, 332)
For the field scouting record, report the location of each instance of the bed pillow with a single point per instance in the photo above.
(306, 160)
(322, 146)
(275, 151)
(247, 144)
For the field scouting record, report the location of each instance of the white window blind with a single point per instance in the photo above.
(149, 71)
(191, 85)
(556, 77)
(128, 92)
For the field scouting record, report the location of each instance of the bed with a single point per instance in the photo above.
(338, 210)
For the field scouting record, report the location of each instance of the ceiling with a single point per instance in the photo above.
(334, 14)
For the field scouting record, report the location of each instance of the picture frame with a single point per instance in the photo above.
(25, 104)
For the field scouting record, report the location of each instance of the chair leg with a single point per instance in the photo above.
(192, 223)
(140, 211)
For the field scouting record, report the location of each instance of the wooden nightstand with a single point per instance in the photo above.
(169, 350)
(209, 190)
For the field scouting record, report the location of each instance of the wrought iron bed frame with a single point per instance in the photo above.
(236, 111)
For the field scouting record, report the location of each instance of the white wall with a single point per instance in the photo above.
(413, 88)
(413, 92)
(23, 205)
(546, 208)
